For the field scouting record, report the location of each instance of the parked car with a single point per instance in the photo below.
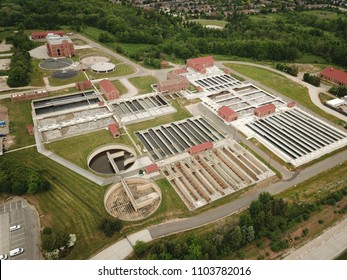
(15, 227)
(16, 252)
(3, 257)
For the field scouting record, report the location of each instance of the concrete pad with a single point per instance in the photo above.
(142, 235)
(117, 251)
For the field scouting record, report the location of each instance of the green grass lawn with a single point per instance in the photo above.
(132, 49)
(76, 149)
(121, 88)
(282, 85)
(37, 74)
(19, 118)
(59, 82)
(204, 22)
(143, 84)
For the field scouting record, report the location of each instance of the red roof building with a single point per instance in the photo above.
(174, 83)
(227, 114)
(58, 46)
(200, 64)
(151, 168)
(200, 148)
(86, 84)
(291, 104)
(114, 129)
(109, 90)
(334, 75)
(30, 129)
(42, 34)
(180, 71)
(264, 110)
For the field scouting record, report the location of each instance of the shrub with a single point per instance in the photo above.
(47, 230)
(305, 232)
(109, 226)
(140, 248)
(320, 221)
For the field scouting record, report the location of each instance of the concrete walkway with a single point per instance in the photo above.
(132, 90)
(123, 248)
(312, 90)
(328, 246)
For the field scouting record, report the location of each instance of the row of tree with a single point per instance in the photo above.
(20, 66)
(16, 179)
(312, 79)
(290, 69)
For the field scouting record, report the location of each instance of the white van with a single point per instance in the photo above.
(15, 227)
(16, 252)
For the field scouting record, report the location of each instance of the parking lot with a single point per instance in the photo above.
(19, 212)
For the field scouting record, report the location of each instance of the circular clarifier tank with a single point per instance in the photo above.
(111, 159)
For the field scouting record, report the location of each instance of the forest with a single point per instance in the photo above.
(283, 39)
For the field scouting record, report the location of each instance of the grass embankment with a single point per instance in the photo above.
(282, 85)
(76, 149)
(19, 114)
(143, 84)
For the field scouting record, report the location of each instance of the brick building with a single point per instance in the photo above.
(334, 75)
(264, 110)
(200, 148)
(42, 34)
(151, 168)
(59, 46)
(200, 64)
(114, 129)
(109, 90)
(174, 83)
(227, 114)
(29, 95)
(86, 84)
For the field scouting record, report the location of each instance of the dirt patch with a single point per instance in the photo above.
(8, 141)
(5, 47)
(5, 64)
(309, 68)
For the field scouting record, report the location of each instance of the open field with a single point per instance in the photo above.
(143, 84)
(76, 149)
(19, 117)
(282, 85)
(59, 82)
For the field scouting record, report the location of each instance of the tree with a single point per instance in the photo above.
(140, 248)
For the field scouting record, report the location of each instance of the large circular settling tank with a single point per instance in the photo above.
(56, 63)
(111, 159)
(132, 199)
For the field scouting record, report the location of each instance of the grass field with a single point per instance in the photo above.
(76, 149)
(282, 85)
(19, 118)
(59, 82)
(143, 84)
(121, 88)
